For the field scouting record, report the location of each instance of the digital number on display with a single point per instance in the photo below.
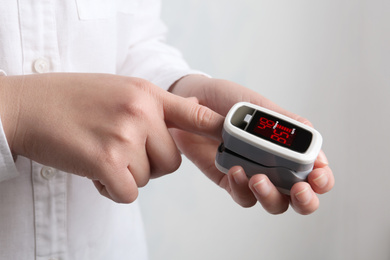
(279, 132)
(274, 130)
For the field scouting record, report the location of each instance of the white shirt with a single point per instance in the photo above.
(45, 213)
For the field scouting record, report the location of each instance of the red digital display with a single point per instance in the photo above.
(275, 131)
(279, 131)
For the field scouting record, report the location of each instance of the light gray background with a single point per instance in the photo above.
(328, 61)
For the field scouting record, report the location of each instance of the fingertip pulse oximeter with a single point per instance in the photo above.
(263, 141)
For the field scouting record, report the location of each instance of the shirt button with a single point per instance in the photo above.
(41, 65)
(48, 173)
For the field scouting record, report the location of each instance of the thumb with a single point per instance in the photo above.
(188, 115)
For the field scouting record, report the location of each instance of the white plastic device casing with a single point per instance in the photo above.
(301, 158)
(284, 166)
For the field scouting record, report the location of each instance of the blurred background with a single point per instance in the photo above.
(328, 61)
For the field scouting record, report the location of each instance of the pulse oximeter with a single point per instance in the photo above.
(263, 141)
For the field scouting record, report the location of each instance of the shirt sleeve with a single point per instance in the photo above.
(149, 56)
(7, 164)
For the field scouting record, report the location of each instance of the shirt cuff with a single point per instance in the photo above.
(7, 164)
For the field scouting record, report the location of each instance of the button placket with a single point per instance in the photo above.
(49, 191)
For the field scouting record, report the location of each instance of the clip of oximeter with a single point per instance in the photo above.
(263, 141)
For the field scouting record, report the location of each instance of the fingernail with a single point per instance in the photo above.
(321, 181)
(322, 158)
(236, 176)
(262, 188)
(304, 196)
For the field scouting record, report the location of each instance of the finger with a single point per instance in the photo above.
(201, 151)
(321, 160)
(163, 154)
(303, 198)
(321, 180)
(190, 116)
(123, 190)
(139, 164)
(266, 193)
(239, 189)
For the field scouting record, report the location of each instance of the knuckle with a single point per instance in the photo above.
(133, 107)
(128, 195)
(139, 168)
(171, 163)
(174, 164)
(141, 85)
(134, 95)
(109, 162)
(109, 157)
(142, 181)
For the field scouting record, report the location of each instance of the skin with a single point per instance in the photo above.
(220, 96)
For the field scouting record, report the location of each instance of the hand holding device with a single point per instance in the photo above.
(264, 141)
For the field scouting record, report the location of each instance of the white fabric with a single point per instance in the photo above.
(45, 213)
(7, 165)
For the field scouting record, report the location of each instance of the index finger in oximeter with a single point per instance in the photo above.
(263, 141)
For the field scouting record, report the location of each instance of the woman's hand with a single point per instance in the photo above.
(111, 129)
(220, 96)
